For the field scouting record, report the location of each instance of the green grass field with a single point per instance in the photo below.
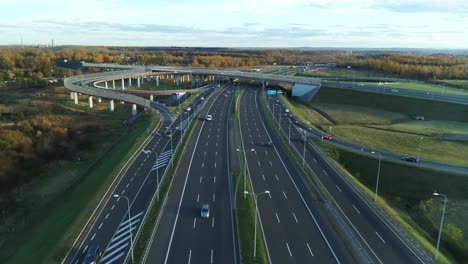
(387, 124)
(456, 83)
(57, 204)
(425, 87)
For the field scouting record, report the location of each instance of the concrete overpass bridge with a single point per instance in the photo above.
(103, 84)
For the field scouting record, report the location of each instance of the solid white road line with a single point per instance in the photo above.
(338, 188)
(277, 218)
(380, 237)
(356, 209)
(290, 254)
(285, 195)
(310, 250)
(189, 256)
(194, 222)
(295, 218)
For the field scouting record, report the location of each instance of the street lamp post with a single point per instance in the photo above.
(303, 153)
(378, 178)
(256, 212)
(129, 223)
(441, 223)
(419, 148)
(172, 150)
(245, 167)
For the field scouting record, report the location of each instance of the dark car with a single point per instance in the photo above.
(93, 256)
(327, 137)
(410, 159)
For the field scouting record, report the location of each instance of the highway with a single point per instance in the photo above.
(202, 177)
(295, 225)
(384, 242)
(109, 225)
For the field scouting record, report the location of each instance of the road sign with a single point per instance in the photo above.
(271, 92)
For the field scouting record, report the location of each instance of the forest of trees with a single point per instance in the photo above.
(33, 67)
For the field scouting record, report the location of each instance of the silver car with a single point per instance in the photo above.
(205, 211)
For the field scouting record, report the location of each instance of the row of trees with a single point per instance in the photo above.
(415, 67)
(30, 67)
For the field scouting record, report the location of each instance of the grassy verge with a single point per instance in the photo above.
(424, 87)
(50, 228)
(245, 210)
(405, 195)
(390, 129)
(456, 83)
(246, 219)
(155, 209)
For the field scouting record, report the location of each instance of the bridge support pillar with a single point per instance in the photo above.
(157, 80)
(75, 97)
(90, 101)
(72, 95)
(111, 105)
(123, 84)
(193, 80)
(134, 109)
(138, 82)
(177, 80)
(151, 97)
(130, 81)
(99, 99)
(142, 79)
(105, 84)
(263, 84)
(113, 84)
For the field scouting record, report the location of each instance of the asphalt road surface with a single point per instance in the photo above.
(295, 225)
(182, 235)
(384, 244)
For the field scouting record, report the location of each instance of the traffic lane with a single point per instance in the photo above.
(287, 211)
(375, 234)
(202, 178)
(158, 243)
(322, 218)
(108, 219)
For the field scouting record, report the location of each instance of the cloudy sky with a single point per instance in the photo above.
(238, 23)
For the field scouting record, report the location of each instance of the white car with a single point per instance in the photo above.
(188, 109)
(209, 118)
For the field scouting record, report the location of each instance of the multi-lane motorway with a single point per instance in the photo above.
(182, 235)
(295, 225)
(384, 242)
